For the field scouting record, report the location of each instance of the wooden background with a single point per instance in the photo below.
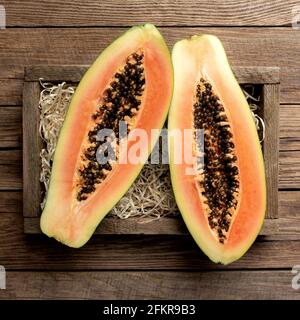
(254, 33)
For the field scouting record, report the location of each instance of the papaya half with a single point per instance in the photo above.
(131, 82)
(221, 192)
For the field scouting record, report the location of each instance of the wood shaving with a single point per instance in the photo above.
(254, 100)
(53, 103)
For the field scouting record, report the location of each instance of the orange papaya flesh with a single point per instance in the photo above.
(130, 81)
(223, 203)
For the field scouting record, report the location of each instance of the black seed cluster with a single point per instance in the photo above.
(121, 102)
(219, 184)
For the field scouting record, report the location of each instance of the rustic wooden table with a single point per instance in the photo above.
(254, 33)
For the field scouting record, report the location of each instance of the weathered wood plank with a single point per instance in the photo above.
(289, 206)
(245, 47)
(10, 127)
(12, 72)
(163, 13)
(289, 169)
(275, 284)
(74, 73)
(11, 169)
(163, 226)
(19, 251)
(271, 146)
(288, 225)
(11, 202)
(289, 127)
(112, 225)
(32, 146)
(11, 91)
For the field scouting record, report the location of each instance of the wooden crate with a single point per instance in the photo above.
(267, 77)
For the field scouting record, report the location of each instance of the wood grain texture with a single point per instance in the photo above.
(12, 72)
(289, 169)
(163, 13)
(19, 251)
(244, 46)
(289, 130)
(71, 73)
(10, 127)
(113, 225)
(289, 208)
(163, 226)
(11, 202)
(11, 91)
(10, 169)
(275, 284)
(271, 146)
(31, 150)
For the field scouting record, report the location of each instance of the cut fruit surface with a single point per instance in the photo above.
(131, 83)
(223, 201)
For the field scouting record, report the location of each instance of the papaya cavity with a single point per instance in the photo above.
(119, 102)
(218, 182)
